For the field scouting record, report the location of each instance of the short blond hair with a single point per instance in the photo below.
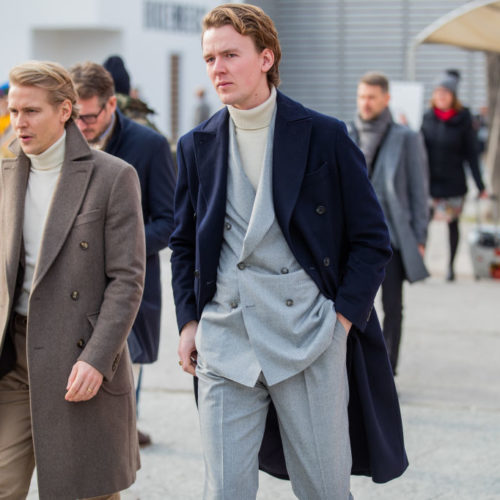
(249, 20)
(49, 76)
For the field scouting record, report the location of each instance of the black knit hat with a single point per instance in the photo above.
(116, 66)
(449, 80)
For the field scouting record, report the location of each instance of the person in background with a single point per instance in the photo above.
(450, 141)
(72, 262)
(105, 127)
(130, 105)
(397, 166)
(7, 134)
(202, 109)
(278, 251)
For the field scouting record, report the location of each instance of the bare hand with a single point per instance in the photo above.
(187, 347)
(83, 383)
(484, 194)
(344, 321)
(421, 250)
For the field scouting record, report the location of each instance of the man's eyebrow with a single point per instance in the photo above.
(224, 51)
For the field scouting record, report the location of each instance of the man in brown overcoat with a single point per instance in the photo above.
(72, 262)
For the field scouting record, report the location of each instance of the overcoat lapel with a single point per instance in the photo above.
(15, 174)
(66, 202)
(211, 150)
(290, 151)
(388, 159)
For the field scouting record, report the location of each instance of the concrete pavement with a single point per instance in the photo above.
(448, 385)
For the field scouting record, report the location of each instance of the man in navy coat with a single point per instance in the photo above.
(279, 249)
(106, 128)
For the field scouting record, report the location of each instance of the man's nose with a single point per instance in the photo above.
(219, 66)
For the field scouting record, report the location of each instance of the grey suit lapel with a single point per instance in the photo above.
(263, 211)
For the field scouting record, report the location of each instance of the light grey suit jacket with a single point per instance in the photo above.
(85, 294)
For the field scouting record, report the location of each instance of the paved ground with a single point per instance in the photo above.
(448, 384)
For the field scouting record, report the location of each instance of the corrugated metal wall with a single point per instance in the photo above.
(328, 44)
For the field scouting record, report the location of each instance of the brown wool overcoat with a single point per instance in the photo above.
(84, 298)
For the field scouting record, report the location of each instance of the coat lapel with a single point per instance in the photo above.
(290, 151)
(15, 174)
(66, 202)
(388, 159)
(211, 151)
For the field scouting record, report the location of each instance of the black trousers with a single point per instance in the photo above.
(392, 303)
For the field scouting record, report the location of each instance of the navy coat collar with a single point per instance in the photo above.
(290, 151)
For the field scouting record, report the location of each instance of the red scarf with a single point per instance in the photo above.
(445, 115)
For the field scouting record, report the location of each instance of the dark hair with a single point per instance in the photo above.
(252, 21)
(375, 78)
(121, 78)
(91, 79)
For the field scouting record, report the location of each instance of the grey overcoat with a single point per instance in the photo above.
(84, 298)
(400, 180)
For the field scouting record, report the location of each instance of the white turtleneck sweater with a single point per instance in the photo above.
(44, 174)
(252, 127)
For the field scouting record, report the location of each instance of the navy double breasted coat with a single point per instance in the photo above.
(333, 223)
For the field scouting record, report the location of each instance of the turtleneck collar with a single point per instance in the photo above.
(255, 118)
(52, 158)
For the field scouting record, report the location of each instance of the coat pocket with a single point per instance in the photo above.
(86, 217)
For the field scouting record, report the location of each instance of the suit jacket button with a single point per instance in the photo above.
(84, 245)
(197, 273)
(80, 343)
(75, 295)
(241, 266)
(320, 209)
(234, 304)
(289, 302)
(326, 261)
(228, 226)
(284, 270)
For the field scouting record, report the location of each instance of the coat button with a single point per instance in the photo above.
(197, 273)
(284, 270)
(289, 302)
(84, 245)
(234, 304)
(320, 209)
(326, 261)
(241, 266)
(228, 226)
(80, 343)
(75, 295)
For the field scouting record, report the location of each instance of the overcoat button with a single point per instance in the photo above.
(75, 295)
(320, 209)
(234, 304)
(228, 226)
(289, 302)
(197, 273)
(326, 261)
(284, 270)
(84, 245)
(241, 266)
(80, 343)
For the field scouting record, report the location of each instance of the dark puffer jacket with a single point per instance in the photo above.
(450, 145)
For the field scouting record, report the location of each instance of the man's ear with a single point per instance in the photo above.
(66, 108)
(267, 56)
(112, 103)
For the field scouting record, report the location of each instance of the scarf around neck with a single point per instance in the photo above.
(371, 133)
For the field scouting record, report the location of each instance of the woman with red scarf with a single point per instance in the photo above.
(451, 143)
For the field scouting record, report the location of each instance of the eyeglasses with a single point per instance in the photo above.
(91, 119)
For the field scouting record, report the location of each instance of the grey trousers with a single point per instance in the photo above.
(312, 414)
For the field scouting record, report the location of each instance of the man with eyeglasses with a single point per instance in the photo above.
(107, 129)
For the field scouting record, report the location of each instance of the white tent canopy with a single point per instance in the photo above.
(473, 26)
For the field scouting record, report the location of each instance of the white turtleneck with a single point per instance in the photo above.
(252, 127)
(44, 173)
